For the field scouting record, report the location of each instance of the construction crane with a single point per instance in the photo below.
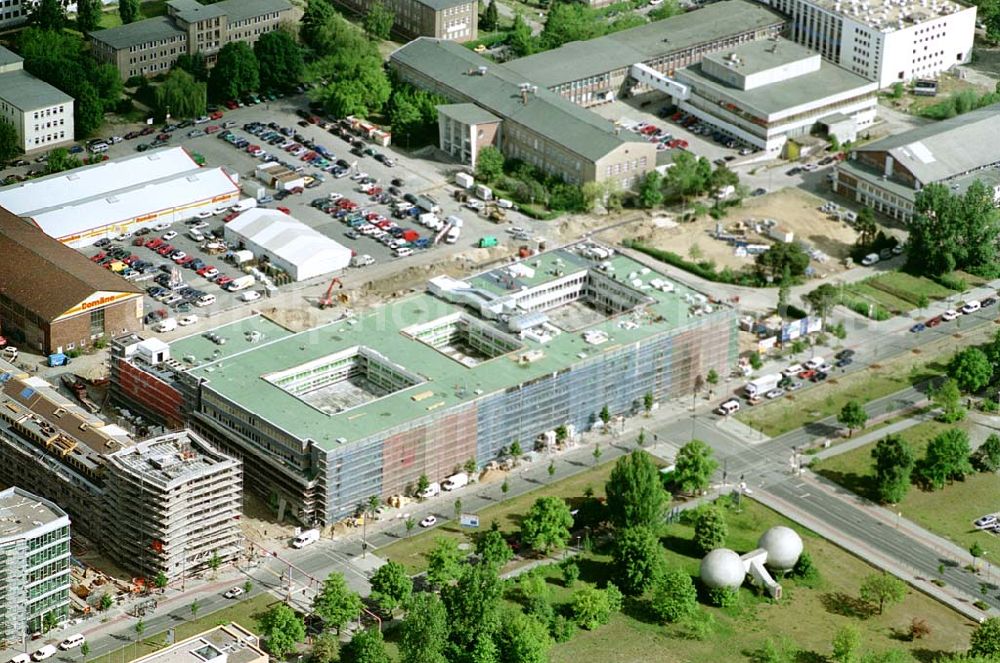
(327, 300)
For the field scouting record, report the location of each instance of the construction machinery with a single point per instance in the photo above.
(327, 300)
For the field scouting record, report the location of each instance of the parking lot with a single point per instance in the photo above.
(414, 176)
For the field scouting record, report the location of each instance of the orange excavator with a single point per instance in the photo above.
(327, 300)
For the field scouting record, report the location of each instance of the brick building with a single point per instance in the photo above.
(53, 299)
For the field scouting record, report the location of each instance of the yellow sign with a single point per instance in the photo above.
(96, 300)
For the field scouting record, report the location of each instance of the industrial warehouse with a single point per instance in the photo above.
(166, 504)
(325, 418)
(116, 197)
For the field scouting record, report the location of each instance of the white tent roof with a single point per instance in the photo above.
(286, 238)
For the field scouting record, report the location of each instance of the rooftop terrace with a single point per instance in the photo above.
(21, 512)
(431, 353)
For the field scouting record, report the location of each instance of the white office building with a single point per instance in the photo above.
(886, 41)
(41, 114)
(765, 92)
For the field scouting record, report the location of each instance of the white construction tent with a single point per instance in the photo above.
(82, 205)
(288, 243)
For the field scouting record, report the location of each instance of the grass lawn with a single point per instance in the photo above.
(147, 9)
(899, 292)
(808, 617)
(948, 512)
(410, 551)
(820, 401)
(245, 613)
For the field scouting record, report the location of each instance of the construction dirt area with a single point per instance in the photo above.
(792, 210)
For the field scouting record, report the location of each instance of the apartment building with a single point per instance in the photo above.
(886, 41)
(598, 71)
(537, 126)
(41, 114)
(226, 643)
(152, 46)
(456, 20)
(887, 175)
(765, 92)
(169, 503)
(34, 565)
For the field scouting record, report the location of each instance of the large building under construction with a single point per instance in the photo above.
(325, 418)
(167, 504)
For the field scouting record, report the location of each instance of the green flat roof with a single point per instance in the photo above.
(582, 59)
(235, 370)
(770, 99)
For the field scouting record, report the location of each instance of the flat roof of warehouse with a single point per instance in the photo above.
(243, 369)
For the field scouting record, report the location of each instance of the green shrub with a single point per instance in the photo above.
(723, 597)
(951, 282)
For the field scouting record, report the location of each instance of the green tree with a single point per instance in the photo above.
(647, 402)
(985, 640)
(128, 10)
(60, 160)
(721, 178)
(570, 572)
(48, 15)
(314, 20)
(473, 605)
(651, 190)
(710, 529)
(378, 21)
(515, 450)
(948, 398)
(970, 369)
(522, 638)
(779, 257)
(180, 95)
(195, 65)
(391, 586)
(88, 111)
(404, 116)
(853, 416)
(195, 607)
(637, 558)
(520, 39)
(489, 164)
(694, 467)
(10, 146)
(366, 646)
(897, 90)
(605, 415)
(597, 453)
(592, 607)
(882, 589)
(953, 231)
(349, 78)
(422, 483)
(85, 650)
(279, 60)
(674, 596)
(712, 378)
(282, 629)
(635, 492)
(335, 603)
(546, 526)
(568, 22)
(666, 9)
(493, 549)
(893, 464)
(946, 458)
(992, 349)
(847, 644)
(325, 648)
(551, 469)
(490, 19)
(236, 71)
(214, 562)
(160, 581)
(444, 561)
(987, 457)
(410, 523)
(866, 227)
(424, 631)
(88, 15)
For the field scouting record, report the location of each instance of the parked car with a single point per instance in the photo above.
(233, 593)
(429, 521)
(949, 315)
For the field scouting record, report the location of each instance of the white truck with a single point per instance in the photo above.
(244, 205)
(762, 385)
(362, 260)
(240, 283)
(456, 481)
(432, 490)
(483, 192)
(306, 537)
(464, 180)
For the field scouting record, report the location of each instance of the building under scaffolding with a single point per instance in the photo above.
(34, 565)
(165, 504)
(325, 418)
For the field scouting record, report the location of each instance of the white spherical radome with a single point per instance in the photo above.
(722, 568)
(783, 546)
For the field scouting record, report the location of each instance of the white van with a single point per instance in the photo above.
(244, 205)
(205, 300)
(305, 538)
(72, 641)
(21, 658)
(815, 363)
(504, 203)
(250, 296)
(403, 252)
(731, 406)
(432, 490)
(48, 651)
(196, 235)
(166, 325)
(362, 260)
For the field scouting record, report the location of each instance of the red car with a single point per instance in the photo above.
(99, 257)
(285, 210)
(934, 322)
(232, 105)
(137, 241)
(217, 115)
(222, 280)
(297, 190)
(146, 131)
(154, 243)
(166, 249)
(205, 270)
(213, 129)
(185, 260)
(229, 217)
